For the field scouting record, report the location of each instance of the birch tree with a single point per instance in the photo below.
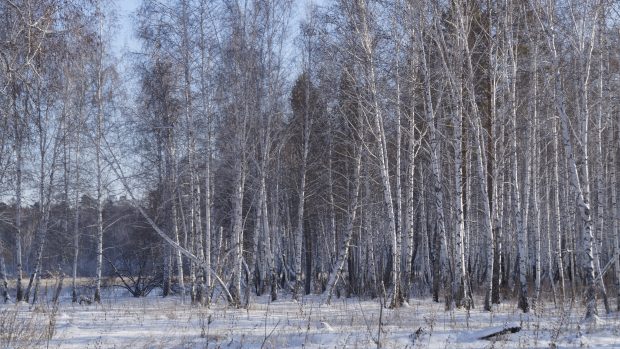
(582, 44)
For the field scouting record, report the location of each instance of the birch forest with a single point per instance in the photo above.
(464, 151)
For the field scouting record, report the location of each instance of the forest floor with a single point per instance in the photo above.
(121, 321)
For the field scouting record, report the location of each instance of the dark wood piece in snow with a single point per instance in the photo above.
(85, 300)
(490, 333)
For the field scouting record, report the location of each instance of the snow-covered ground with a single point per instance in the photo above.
(154, 322)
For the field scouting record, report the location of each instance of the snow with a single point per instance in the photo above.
(122, 321)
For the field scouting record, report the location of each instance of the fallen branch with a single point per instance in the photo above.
(490, 333)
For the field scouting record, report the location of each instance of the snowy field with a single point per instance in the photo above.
(153, 322)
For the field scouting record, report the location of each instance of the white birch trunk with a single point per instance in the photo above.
(205, 64)
(187, 59)
(557, 212)
(366, 40)
(410, 205)
(535, 167)
(615, 214)
(18, 196)
(98, 164)
(76, 222)
(299, 231)
(44, 200)
(600, 194)
(516, 199)
(178, 256)
(369, 230)
(399, 194)
(237, 230)
(476, 124)
(580, 186)
(426, 241)
(460, 286)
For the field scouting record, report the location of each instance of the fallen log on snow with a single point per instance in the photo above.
(490, 333)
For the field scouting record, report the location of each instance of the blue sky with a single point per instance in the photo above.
(125, 9)
(125, 39)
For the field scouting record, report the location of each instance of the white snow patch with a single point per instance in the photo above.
(155, 322)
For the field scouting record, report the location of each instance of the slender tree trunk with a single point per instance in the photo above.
(516, 202)
(377, 122)
(548, 193)
(44, 196)
(299, 231)
(369, 232)
(497, 141)
(557, 213)
(4, 284)
(583, 204)
(476, 124)
(237, 230)
(441, 252)
(343, 255)
(601, 200)
(18, 195)
(76, 222)
(98, 155)
(332, 205)
(397, 250)
(534, 164)
(270, 275)
(460, 286)
(615, 214)
(425, 236)
(409, 205)
(178, 255)
(207, 232)
(205, 65)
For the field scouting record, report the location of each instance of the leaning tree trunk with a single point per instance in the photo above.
(348, 233)
(178, 255)
(45, 199)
